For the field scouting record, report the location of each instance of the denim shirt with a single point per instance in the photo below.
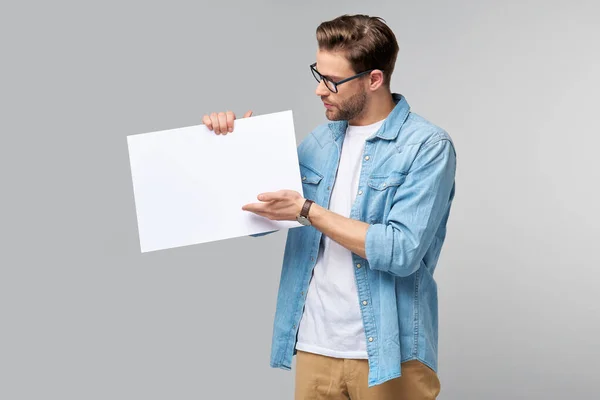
(405, 192)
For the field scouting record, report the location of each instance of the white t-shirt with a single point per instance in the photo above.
(332, 324)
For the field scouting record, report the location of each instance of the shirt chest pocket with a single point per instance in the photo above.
(382, 188)
(384, 182)
(311, 180)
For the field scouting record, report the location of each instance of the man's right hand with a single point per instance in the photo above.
(222, 122)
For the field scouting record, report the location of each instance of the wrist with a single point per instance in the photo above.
(299, 204)
(303, 215)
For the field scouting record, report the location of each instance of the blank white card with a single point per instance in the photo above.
(190, 184)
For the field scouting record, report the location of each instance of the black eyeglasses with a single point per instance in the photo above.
(331, 85)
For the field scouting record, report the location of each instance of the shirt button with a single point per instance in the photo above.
(302, 293)
(303, 178)
(312, 259)
(328, 187)
(364, 302)
(367, 158)
(370, 339)
(357, 265)
(385, 184)
(360, 192)
(294, 326)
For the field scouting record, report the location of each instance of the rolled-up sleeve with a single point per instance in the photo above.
(399, 244)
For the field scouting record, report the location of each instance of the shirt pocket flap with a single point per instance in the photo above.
(309, 175)
(382, 182)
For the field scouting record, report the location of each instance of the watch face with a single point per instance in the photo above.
(303, 220)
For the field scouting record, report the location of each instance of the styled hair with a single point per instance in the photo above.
(367, 42)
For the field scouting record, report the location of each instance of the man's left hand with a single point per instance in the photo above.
(283, 205)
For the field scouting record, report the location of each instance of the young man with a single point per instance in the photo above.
(357, 301)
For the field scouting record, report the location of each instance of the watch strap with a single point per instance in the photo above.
(306, 208)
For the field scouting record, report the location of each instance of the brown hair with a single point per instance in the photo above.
(367, 42)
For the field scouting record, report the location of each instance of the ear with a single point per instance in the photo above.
(376, 80)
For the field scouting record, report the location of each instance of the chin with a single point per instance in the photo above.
(332, 116)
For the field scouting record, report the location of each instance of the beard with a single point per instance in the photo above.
(348, 109)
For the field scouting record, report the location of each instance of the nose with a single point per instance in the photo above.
(322, 89)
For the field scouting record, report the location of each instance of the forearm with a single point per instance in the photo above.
(348, 232)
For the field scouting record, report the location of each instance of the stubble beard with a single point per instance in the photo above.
(349, 109)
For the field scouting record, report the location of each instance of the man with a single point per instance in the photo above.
(357, 301)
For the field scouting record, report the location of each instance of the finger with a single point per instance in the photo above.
(248, 114)
(230, 117)
(250, 207)
(206, 121)
(214, 119)
(223, 123)
(255, 207)
(273, 196)
(269, 196)
(263, 209)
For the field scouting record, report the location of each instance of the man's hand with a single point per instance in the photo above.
(222, 122)
(283, 205)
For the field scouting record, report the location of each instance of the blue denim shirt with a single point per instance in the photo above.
(405, 192)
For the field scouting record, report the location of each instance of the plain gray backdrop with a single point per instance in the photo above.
(85, 315)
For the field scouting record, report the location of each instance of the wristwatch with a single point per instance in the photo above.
(303, 216)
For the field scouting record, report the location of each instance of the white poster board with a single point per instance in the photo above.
(190, 184)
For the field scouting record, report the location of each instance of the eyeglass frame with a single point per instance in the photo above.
(335, 84)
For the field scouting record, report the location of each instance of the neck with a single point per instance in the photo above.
(377, 108)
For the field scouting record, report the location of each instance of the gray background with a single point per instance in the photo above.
(84, 315)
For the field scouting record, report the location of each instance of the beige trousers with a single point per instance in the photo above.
(319, 378)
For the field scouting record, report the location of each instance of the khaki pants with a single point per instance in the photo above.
(319, 377)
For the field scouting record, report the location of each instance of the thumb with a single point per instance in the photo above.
(269, 196)
(248, 114)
